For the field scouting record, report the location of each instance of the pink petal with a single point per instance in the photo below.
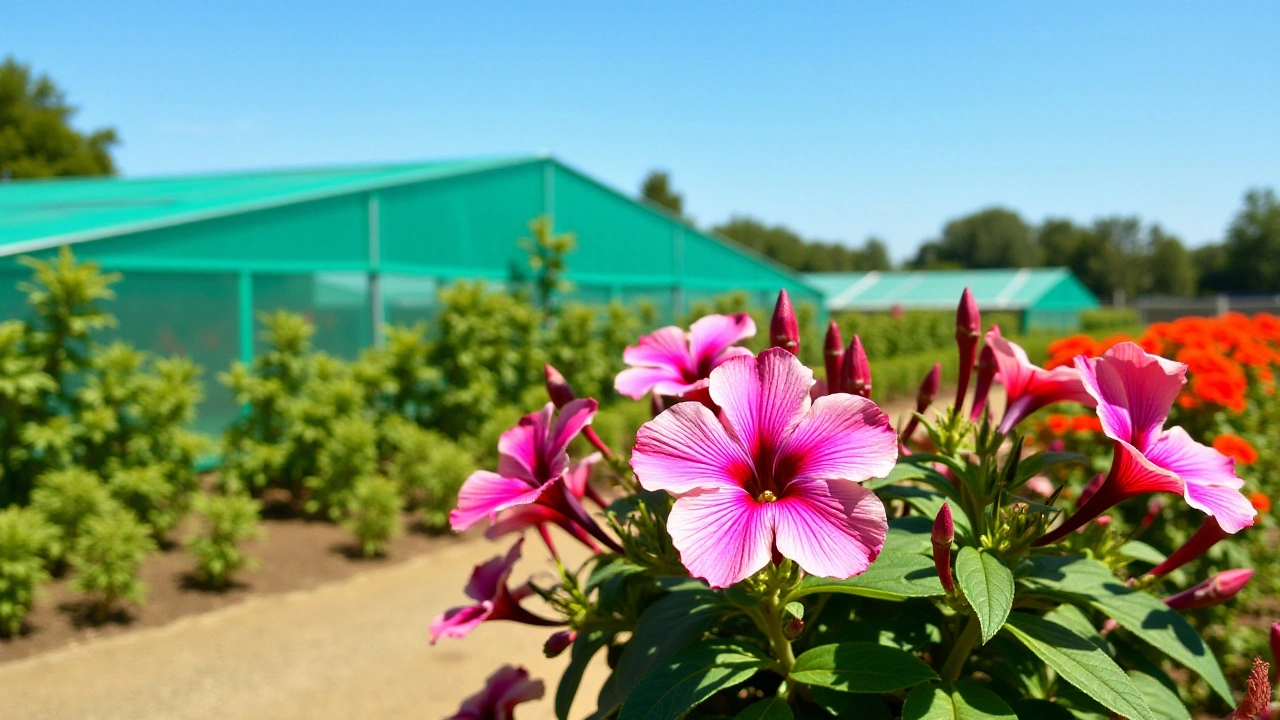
(489, 577)
(1029, 387)
(572, 418)
(1211, 482)
(580, 473)
(1133, 474)
(1134, 391)
(460, 621)
(845, 436)
(763, 399)
(686, 448)
(713, 334)
(723, 535)
(519, 447)
(484, 494)
(729, 354)
(664, 347)
(832, 528)
(637, 382)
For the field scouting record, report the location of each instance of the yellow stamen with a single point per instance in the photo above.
(767, 497)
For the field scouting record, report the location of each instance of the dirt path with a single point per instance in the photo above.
(352, 649)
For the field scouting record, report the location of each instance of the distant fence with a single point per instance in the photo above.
(1162, 308)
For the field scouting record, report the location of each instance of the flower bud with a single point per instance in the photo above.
(784, 332)
(1205, 537)
(855, 373)
(1214, 591)
(1275, 642)
(558, 643)
(943, 534)
(924, 398)
(793, 629)
(1154, 508)
(968, 329)
(558, 388)
(986, 375)
(833, 357)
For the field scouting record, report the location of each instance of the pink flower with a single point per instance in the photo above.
(532, 463)
(1214, 591)
(494, 600)
(1135, 391)
(777, 472)
(504, 689)
(668, 363)
(1029, 387)
(537, 516)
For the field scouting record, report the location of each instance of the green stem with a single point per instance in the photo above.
(960, 651)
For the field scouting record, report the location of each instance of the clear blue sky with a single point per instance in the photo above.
(839, 119)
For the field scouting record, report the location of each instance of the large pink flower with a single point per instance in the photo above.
(533, 460)
(1030, 387)
(494, 600)
(774, 473)
(503, 690)
(669, 363)
(1135, 391)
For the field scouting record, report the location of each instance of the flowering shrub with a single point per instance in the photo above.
(775, 548)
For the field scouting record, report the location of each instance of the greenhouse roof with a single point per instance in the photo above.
(41, 213)
(1012, 289)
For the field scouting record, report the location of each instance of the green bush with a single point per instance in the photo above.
(428, 467)
(107, 556)
(914, 332)
(1105, 320)
(149, 494)
(25, 537)
(373, 514)
(68, 499)
(351, 452)
(226, 521)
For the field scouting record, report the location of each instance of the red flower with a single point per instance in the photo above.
(1059, 424)
(1234, 446)
(1260, 501)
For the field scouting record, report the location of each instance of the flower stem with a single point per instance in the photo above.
(960, 651)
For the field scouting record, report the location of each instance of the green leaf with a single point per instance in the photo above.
(903, 471)
(795, 610)
(603, 572)
(1087, 581)
(1033, 465)
(890, 577)
(928, 502)
(961, 702)
(1163, 701)
(860, 668)
(1041, 710)
(1138, 550)
(587, 644)
(1080, 663)
(1073, 619)
(666, 627)
(909, 535)
(988, 586)
(694, 674)
(774, 708)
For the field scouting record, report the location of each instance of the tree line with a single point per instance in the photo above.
(1113, 256)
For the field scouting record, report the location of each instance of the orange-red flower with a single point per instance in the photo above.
(1086, 423)
(1260, 501)
(1059, 424)
(1234, 446)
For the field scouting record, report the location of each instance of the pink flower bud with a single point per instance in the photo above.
(833, 357)
(794, 628)
(986, 375)
(924, 398)
(1214, 591)
(1205, 537)
(558, 388)
(1275, 642)
(784, 332)
(1257, 694)
(558, 643)
(855, 374)
(1154, 508)
(968, 329)
(943, 534)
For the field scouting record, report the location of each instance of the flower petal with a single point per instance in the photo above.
(832, 528)
(484, 494)
(665, 347)
(763, 398)
(579, 474)
(723, 535)
(686, 448)
(1134, 390)
(490, 576)
(636, 382)
(460, 621)
(1228, 506)
(519, 447)
(574, 416)
(1133, 474)
(1211, 483)
(845, 436)
(711, 335)
(1029, 387)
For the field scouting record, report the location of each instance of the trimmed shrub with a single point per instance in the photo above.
(428, 467)
(25, 536)
(68, 499)
(226, 522)
(373, 514)
(106, 558)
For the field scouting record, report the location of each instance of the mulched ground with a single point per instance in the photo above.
(295, 554)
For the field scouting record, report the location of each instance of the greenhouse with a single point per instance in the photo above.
(355, 248)
(1046, 298)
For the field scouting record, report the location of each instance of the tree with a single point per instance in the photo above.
(991, 238)
(36, 137)
(1170, 270)
(1253, 243)
(657, 189)
(874, 256)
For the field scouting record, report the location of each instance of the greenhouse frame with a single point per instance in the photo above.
(356, 248)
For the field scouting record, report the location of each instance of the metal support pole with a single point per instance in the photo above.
(376, 309)
(246, 317)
